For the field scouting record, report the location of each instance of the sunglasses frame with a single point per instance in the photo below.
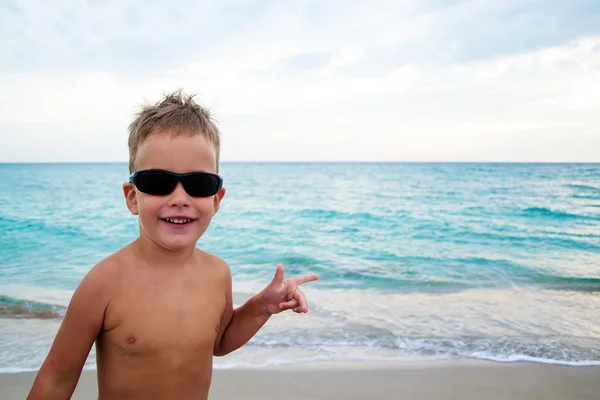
(178, 178)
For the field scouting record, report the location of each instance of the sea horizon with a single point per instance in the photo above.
(323, 162)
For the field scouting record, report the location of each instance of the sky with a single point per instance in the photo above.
(403, 80)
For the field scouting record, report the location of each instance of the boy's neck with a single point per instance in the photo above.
(153, 254)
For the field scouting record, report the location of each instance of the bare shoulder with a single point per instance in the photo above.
(102, 276)
(103, 280)
(216, 264)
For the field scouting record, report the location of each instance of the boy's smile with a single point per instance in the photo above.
(176, 220)
(178, 223)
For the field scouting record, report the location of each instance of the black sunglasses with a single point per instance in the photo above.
(160, 183)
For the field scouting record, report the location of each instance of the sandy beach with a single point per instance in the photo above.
(420, 380)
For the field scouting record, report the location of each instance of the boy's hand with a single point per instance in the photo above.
(284, 294)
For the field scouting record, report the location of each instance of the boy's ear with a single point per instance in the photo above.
(130, 197)
(217, 200)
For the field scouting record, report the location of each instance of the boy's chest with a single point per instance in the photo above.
(157, 321)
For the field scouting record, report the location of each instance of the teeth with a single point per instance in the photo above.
(178, 220)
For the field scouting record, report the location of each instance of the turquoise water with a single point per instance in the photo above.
(417, 261)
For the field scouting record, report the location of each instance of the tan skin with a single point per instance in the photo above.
(159, 309)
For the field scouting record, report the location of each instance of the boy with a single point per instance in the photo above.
(160, 308)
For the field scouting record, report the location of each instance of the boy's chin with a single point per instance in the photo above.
(178, 245)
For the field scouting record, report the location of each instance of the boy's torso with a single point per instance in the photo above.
(159, 331)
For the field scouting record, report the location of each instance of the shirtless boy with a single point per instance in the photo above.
(160, 308)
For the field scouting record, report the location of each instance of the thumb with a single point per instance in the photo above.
(279, 273)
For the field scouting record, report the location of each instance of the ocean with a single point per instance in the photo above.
(417, 261)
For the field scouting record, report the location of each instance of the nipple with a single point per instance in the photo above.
(131, 340)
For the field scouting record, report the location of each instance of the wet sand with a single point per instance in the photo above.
(419, 380)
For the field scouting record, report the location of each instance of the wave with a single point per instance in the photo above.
(17, 308)
(423, 274)
(577, 284)
(19, 370)
(539, 360)
(585, 197)
(16, 370)
(281, 359)
(585, 188)
(312, 360)
(568, 241)
(37, 225)
(554, 214)
(323, 214)
(502, 349)
(430, 274)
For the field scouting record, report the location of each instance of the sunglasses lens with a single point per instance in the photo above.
(202, 185)
(155, 182)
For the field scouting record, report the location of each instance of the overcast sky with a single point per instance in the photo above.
(404, 80)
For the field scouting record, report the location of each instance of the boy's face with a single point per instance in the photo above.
(160, 216)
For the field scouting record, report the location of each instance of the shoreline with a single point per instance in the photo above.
(365, 363)
(443, 379)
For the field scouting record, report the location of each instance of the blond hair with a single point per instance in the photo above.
(176, 112)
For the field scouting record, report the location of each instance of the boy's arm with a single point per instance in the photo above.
(83, 320)
(240, 325)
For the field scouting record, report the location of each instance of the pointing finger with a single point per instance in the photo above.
(300, 279)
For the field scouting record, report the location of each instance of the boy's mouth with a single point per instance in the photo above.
(178, 220)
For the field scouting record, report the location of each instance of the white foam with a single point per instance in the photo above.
(44, 295)
(537, 360)
(11, 370)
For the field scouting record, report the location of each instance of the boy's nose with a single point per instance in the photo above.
(179, 196)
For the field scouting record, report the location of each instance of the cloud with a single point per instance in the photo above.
(461, 80)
